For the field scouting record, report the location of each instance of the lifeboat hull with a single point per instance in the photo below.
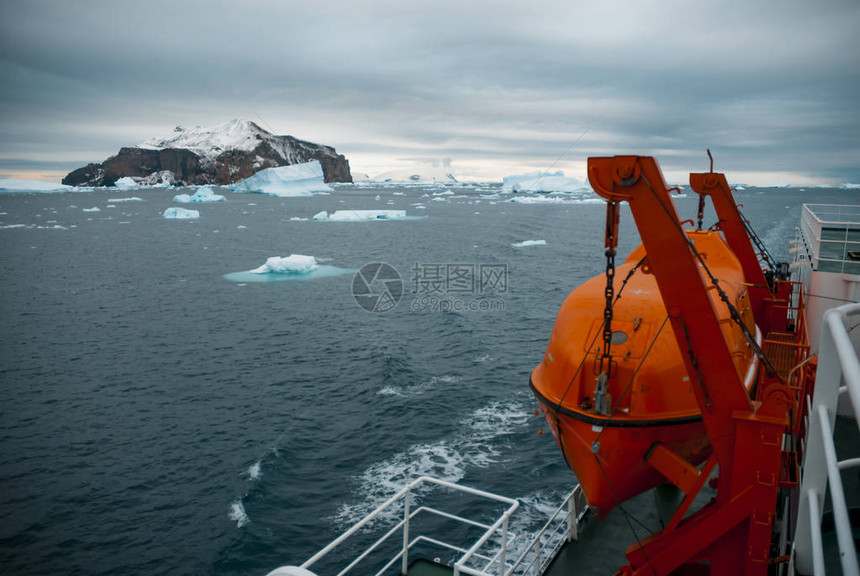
(608, 458)
(650, 396)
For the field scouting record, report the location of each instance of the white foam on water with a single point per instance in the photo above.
(237, 513)
(416, 389)
(253, 470)
(448, 459)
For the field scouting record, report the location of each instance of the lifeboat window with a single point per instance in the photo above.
(618, 337)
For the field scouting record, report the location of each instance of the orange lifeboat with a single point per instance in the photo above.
(606, 429)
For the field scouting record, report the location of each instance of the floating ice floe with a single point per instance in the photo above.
(18, 185)
(304, 179)
(180, 214)
(525, 243)
(204, 194)
(93, 209)
(543, 182)
(292, 267)
(361, 215)
(131, 199)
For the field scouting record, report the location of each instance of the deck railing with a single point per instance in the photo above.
(838, 373)
(563, 526)
(474, 560)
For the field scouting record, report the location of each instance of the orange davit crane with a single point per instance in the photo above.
(746, 426)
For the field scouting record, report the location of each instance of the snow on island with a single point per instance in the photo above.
(296, 180)
(543, 182)
(360, 215)
(180, 214)
(203, 194)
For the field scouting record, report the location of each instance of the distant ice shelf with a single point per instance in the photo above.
(543, 182)
(296, 180)
(20, 185)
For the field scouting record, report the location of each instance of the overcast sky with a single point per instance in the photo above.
(493, 88)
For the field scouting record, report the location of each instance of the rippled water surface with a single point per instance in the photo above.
(159, 418)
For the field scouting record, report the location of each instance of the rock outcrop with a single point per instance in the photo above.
(222, 154)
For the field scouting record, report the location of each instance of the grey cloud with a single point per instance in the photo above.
(773, 89)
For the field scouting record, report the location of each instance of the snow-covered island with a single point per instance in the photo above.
(222, 154)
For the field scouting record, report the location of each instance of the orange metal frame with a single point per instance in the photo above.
(732, 534)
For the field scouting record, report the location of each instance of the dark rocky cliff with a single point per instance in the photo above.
(205, 162)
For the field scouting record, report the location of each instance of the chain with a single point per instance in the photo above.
(609, 292)
(610, 243)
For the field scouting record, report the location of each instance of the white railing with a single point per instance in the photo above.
(838, 373)
(563, 525)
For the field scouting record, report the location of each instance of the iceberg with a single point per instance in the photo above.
(130, 199)
(292, 264)
(543, 182)
(849, 186)
(296, 180)
(360, 215)
(525, 243)
(181, 214)
(93, 209)
(204, 194)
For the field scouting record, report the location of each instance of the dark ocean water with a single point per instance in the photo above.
(157, 418)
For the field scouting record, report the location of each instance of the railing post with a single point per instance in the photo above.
(537, 556)
(404, 563)
(502, 555)
(822, 414)
(571, 518)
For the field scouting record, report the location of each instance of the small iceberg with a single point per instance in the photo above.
(362, 215)
(304, 179)
(292, 264)
(180, 214)
(292, 267)
(525, 243)
(93, 209)
(131, 199)
(126, 183)
(204, 194)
